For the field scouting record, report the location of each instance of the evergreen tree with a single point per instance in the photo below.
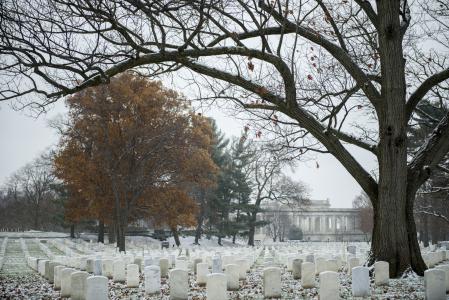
(218, 200)
(242, 155)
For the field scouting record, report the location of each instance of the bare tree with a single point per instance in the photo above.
(310, 69)
(31, 196)
(279, 222)
(363, 204)
(269, 184)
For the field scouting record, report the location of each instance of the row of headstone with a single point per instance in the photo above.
(229, 265)
(24, 247)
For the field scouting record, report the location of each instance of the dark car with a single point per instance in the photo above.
(159, 234)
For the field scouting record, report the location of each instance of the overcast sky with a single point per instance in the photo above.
(24, 137)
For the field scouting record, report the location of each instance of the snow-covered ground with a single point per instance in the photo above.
(17, 281)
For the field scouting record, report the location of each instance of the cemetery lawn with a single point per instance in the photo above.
(18, 281)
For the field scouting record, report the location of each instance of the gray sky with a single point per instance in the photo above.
(24, 137)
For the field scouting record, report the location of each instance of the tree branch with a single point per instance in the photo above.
(354, 141)
(368, 9)
(304, 119)
(337, 52)
(423, 89)
(429, 154)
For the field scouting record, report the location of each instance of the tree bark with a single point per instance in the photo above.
(112, 233)
(101, 232)
(393, 239)
(199, 220)
(36, 218)
(72, 231)
(175, 232)
(251, 236)
(121, 234)
(417, 262)
(252, 229)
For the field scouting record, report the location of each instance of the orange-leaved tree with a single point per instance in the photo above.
(122, 141)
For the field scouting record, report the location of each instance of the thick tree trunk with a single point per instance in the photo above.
(72, 231)
(121, 235)
(121, 230)
(394, 233)
(111, 233)
(252, 229)
(233, 238)
(175, 232)
(101, 232)
(36, 218)
(251, 236)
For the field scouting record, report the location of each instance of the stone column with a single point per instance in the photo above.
(321, 224)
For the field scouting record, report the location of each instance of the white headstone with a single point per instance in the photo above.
(320, 265)
(360, 282)
(272, 282)
(78, 285)
(202, 272)
(51, 271)
(90, 265)
(97, 267)
(435, 284)
(163, 264)
(308, 275)
(296, 268)
(445, 268)
(232, 275)
(179, 284)
(216, 265)
(107, 268)
(152, 280)
(119, 271)
(97, 288)
(352, 263)
(332, 265)
(47, 269)
(381, 273)
(138, 261)
(132, 275)
(329, 286)
(57, 277)
(310, 258)
(242, 263)
(66, 281)
(195, 262)
(216, 286)
(41, 266)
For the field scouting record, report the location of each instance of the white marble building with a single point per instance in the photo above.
(318, 221)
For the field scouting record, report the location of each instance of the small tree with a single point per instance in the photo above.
(365, 211)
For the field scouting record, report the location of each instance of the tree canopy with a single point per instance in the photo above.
(128, 150)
